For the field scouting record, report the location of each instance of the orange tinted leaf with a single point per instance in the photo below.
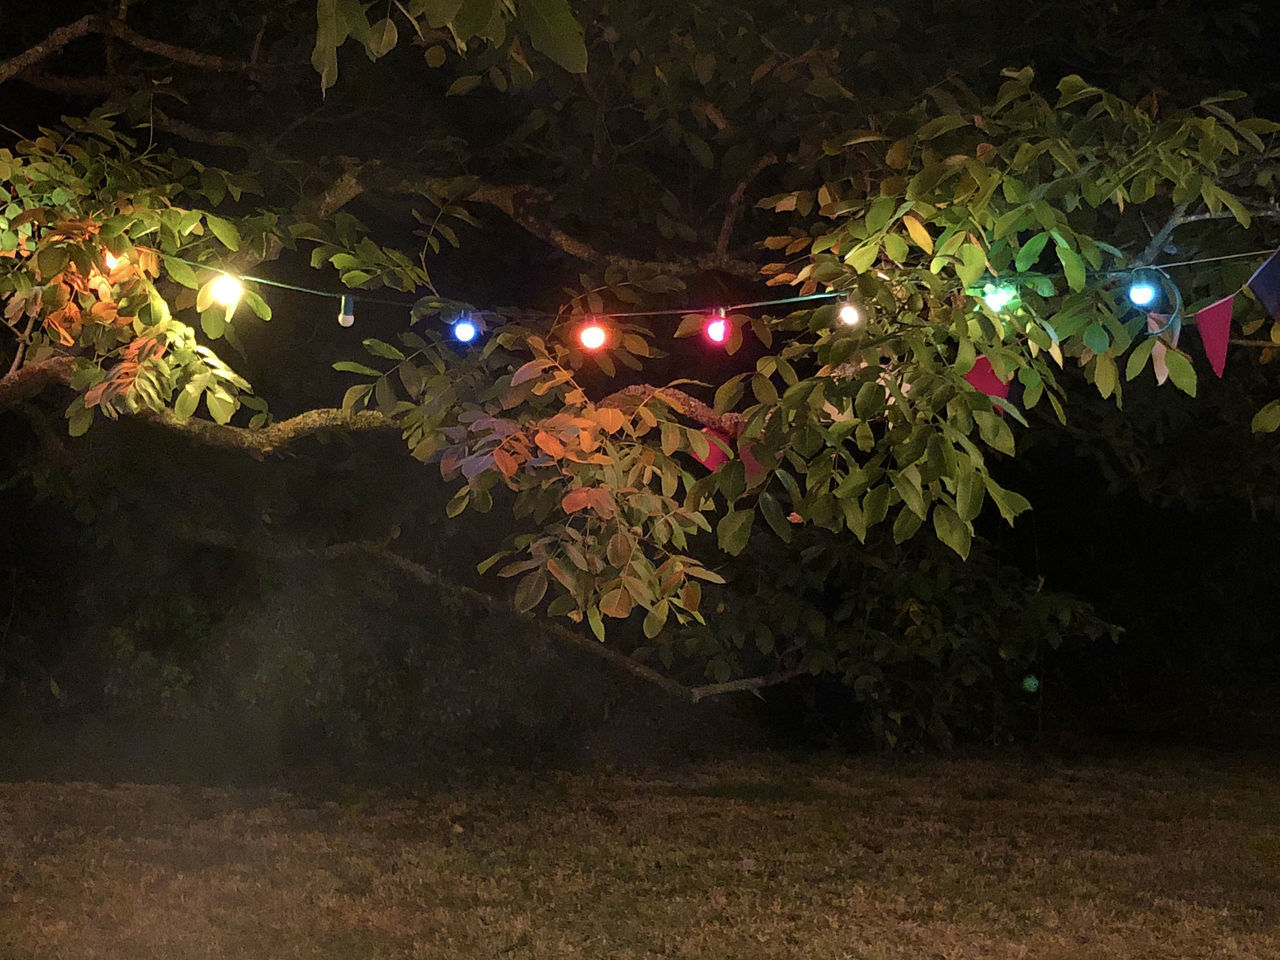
(616, 603)
(549, 444)
(505, 463)
(610, 418)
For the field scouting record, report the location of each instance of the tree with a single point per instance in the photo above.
(833, 179)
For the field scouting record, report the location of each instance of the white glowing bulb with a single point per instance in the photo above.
(226, 290)
(110, 259)
(850, 315)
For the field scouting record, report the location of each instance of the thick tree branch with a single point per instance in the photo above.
(50, 45)
(93, 24)
(515, 201)
(70, 86)
(28, 381)
(1180, 218)
(727, 423)
(269, 439)
(169, 51)
(435, 581)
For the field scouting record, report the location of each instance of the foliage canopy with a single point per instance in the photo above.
(757, 148)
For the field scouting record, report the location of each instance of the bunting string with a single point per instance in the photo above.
(1213, 322)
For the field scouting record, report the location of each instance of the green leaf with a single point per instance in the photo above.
(530, 591)
(224, 230)
(324, 57)
(1072, 266)
(772, 511)
(1096, 338)
(951, 530)
(440, 12)
(973, 264)
(350, 366)
(656, 619)
(907, 483)
(462, 86)
(1181, 372)
(595, 622)
(181, 273)
(1138, 359)
(1030, 252)
(383, 37)
(1267, 420)
(52, 260)
(994, 431)
(1009, 503)
(970, 493)
(213, 322)
(79, 418)
(221, 407)
(553, 31)
(905, 526)
(734, 530)
(380, 348)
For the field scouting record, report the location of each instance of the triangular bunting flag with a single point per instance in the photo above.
(1265, 284)
(1214, 324)
(983, 378)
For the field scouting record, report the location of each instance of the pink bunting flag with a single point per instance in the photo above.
(1214, 324)
(983, 377)
(715, 456)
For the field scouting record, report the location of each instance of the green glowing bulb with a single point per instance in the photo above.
(1031, 683)
(997, 298)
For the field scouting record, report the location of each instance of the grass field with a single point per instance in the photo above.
(1161, 856)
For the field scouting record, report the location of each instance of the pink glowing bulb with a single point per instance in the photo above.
(717, 330)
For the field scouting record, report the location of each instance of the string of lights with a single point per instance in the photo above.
(1147, 285)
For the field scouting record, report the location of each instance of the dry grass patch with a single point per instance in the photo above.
(1166, 857)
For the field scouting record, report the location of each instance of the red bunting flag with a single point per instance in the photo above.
(1265, 284)
(1214, 324)
(983, 378)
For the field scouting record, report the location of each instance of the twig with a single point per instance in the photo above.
(731, 212)
(1162, 235)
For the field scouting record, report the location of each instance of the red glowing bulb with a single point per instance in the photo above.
(717, 330)
(592, 336)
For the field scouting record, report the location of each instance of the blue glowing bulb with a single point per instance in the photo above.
(1143, 293)
(465, 331)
